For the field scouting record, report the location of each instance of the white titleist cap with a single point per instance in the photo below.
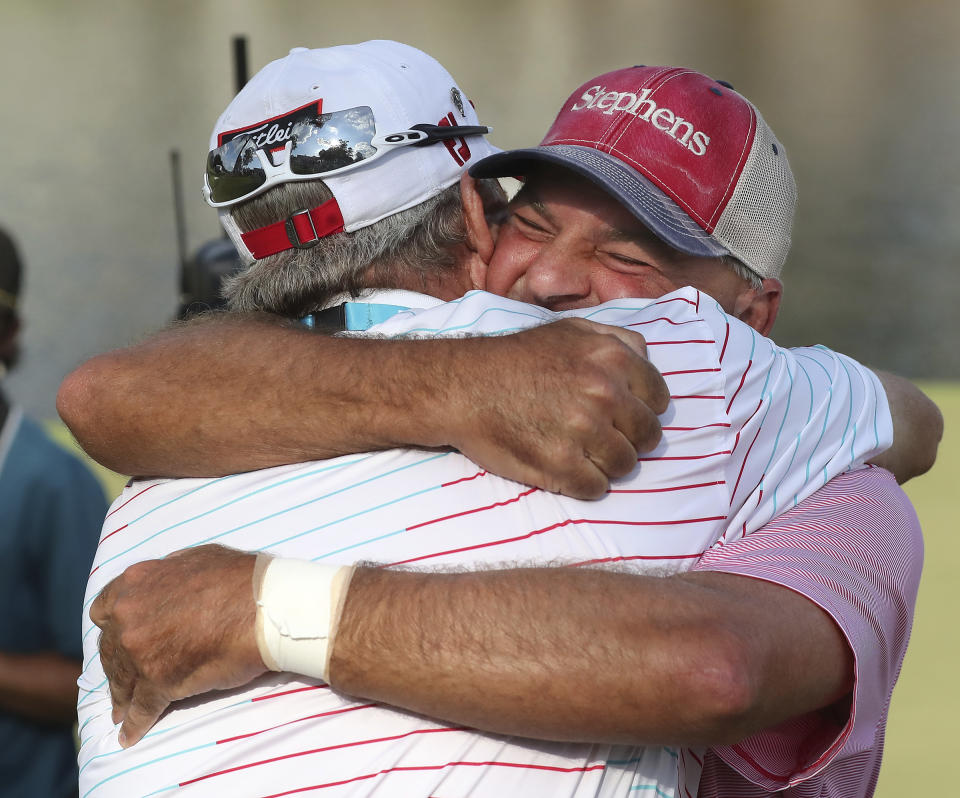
(383, 125)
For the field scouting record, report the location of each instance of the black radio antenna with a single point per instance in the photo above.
(200, 277)
(178, 215)
(240, 61)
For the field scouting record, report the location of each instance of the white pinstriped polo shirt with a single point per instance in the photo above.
(751, 430)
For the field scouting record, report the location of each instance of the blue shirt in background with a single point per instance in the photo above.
(51, 512)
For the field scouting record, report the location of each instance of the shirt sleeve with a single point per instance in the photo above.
(855, 549)
(798, 418)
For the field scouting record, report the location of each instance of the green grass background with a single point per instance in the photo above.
(920, 733)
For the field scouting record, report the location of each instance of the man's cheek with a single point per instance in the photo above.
(507, 267)
(504, 272)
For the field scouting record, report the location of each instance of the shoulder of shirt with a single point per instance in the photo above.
(685, 301)
(475, 311)
(413, 300)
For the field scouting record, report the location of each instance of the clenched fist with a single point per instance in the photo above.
(578, 402)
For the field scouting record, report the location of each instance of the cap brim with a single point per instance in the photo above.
(667, 220)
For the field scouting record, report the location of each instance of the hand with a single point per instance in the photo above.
(176, 627)
(576, 404)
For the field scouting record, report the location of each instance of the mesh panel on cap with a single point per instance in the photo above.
(755, 226)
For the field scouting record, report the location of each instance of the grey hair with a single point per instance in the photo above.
(743, 271)
(409, 246)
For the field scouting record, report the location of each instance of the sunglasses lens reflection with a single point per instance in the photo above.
(234, 170)
(315, 145)
(332, 141)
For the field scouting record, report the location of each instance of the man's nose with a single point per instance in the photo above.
(558, 280)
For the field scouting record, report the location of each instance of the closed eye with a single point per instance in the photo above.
(627, 260)
(524, 222)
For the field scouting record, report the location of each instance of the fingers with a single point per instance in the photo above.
(100, 609)
(639, 425)
(589, 484)
(607, 457)
(634, 395)
(120, 675)
(587, 405)
(648, 385)
(613, 454)
(146, 706)
(136, 703)
(643, 378)
(115, 667)
(583, 480)
(631, 338)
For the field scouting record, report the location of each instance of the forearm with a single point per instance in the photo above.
(917, 429)
(41, 687)
(570, 654)
(227, 394)
(563, 407)
(550, 653)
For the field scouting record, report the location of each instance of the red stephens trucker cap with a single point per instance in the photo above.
(686, 154)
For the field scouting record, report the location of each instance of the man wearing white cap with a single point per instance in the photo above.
(682, 603)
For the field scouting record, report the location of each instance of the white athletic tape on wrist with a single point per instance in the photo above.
(298, 611)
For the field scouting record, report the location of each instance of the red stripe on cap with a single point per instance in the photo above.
(229, 134)
(275, 238)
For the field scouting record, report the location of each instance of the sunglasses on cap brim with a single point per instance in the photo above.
(323, 145)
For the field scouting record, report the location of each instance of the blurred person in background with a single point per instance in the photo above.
(51, 510)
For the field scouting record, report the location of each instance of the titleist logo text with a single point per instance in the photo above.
(642, 107)
(264, 136)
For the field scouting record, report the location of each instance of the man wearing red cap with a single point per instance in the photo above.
(615, 657)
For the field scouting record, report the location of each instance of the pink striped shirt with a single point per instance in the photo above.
(855, 549)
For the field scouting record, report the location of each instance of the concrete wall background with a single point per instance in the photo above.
(95, 94)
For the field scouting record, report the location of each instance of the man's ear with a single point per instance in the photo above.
(759, 307)
(480, 237)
